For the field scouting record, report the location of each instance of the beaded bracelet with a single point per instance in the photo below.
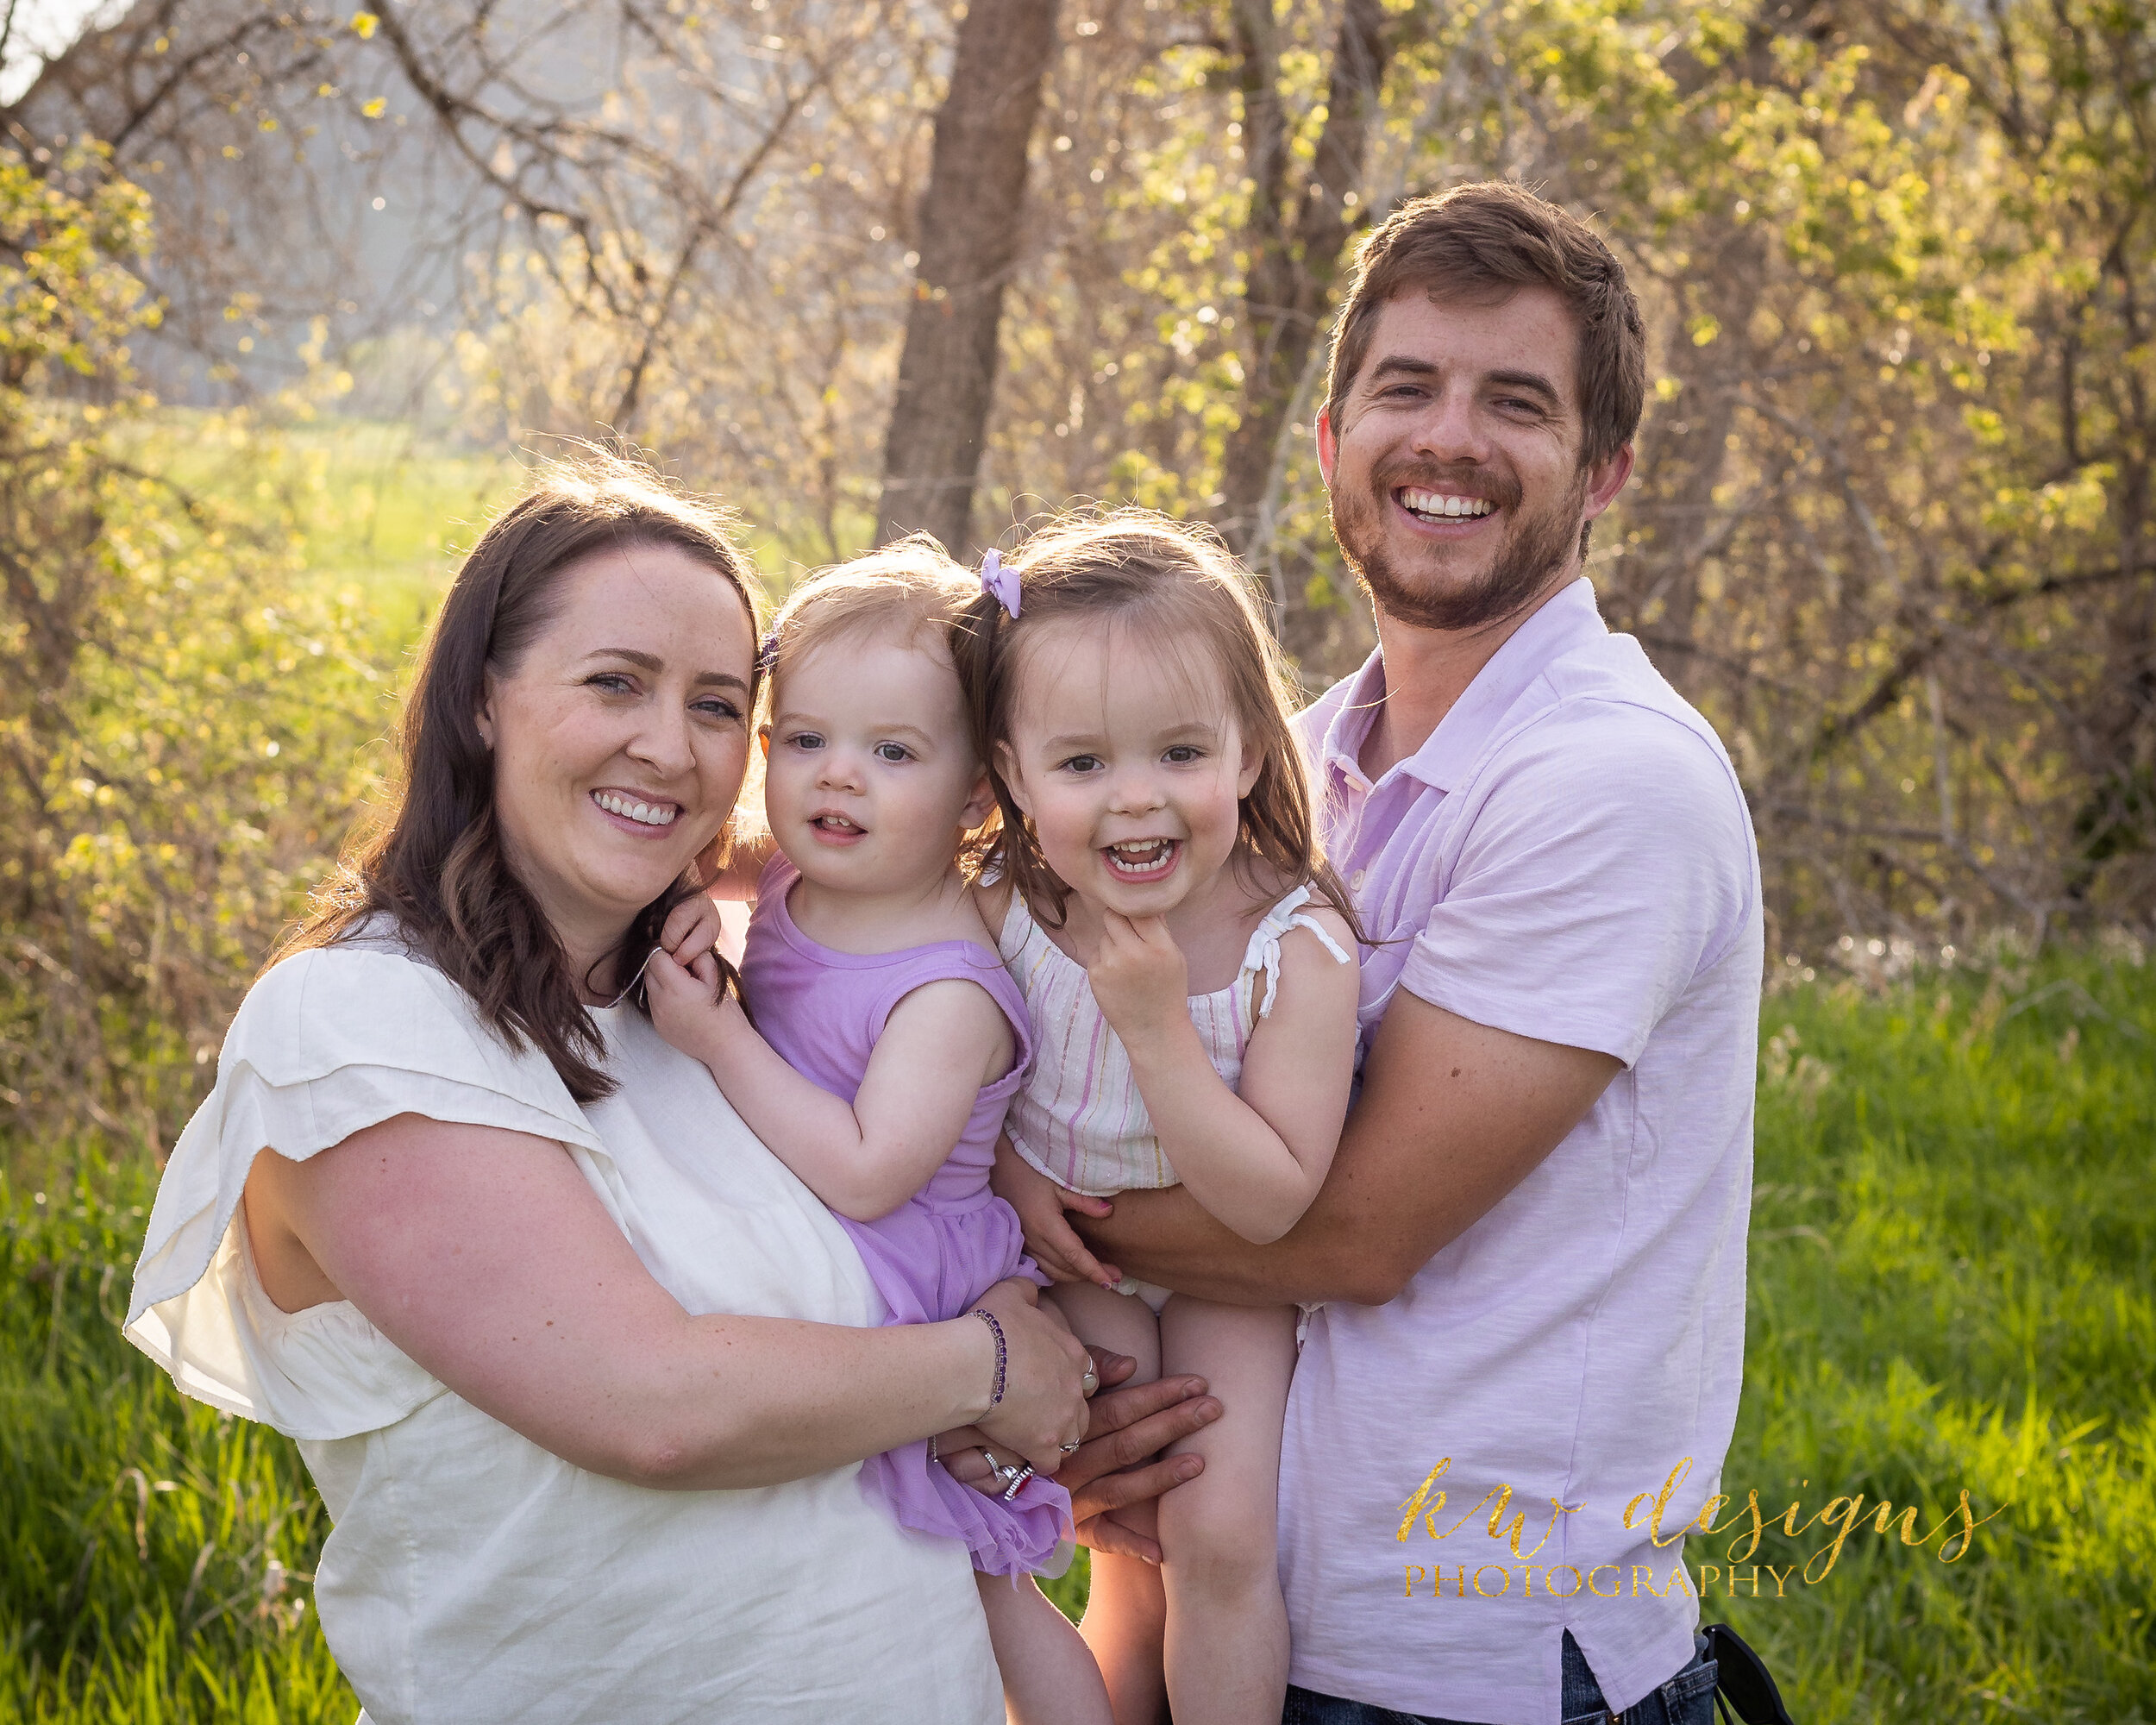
(1003, 1353)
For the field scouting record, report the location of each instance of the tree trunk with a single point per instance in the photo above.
(1685, 451)
(1296, 237)
(1685, 458)
(1296, 240)
(968, 243)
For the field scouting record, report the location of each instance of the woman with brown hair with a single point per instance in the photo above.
(583, 1373)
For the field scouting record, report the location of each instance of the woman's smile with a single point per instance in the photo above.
(621, 738)
(643, 815)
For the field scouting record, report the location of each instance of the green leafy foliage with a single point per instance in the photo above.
(182, 732)
(1891, 533)
(1890, 520)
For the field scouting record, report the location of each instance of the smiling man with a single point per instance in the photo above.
(1532, 1239)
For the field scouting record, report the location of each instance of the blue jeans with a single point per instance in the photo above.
(1687, 1698)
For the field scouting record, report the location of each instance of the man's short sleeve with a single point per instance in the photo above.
(1607, 861)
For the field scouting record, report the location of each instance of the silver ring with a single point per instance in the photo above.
(1016, 1476)
(994, 1466)
(932, 1454)
(1069, 1449)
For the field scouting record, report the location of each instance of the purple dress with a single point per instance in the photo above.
(938, 1252)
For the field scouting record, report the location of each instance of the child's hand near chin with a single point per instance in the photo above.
(692, 927)
(1139, 977)
(685, 1005)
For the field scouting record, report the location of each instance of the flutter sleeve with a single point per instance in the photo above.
(328, 1043)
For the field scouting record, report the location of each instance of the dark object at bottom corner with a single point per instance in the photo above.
(1742, 1680)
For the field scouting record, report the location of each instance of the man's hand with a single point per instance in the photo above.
(1140, 980)
(1040, 1203)
(1110, 1470)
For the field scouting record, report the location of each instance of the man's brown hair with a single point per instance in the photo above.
(1482, 243)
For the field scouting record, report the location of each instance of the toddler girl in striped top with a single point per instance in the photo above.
(1186, 959)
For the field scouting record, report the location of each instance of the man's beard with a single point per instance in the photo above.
(1534, 548)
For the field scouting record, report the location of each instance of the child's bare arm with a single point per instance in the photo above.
(735, 878)
(1257, 1159)
(942, 1043)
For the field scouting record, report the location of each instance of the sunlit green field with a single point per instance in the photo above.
(371, 503)
(1953, 1285)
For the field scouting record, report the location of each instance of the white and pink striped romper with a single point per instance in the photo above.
(1079, 1118)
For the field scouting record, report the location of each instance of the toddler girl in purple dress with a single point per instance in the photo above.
(887, 1037)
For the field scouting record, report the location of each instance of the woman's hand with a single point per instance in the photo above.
(1140, 980)
(1040, 1203)
(1111, 1469)
(485, 1256)
(1047, 1376)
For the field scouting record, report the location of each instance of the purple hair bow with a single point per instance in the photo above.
(1001, 582)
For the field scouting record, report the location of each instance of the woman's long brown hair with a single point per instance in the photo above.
(434, 864)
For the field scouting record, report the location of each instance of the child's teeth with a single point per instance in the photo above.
(1139, 855)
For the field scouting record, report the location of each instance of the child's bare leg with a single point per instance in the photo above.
(1125, 1611)
(1227, 1627)
(1049, 1678)
(1125, 1625)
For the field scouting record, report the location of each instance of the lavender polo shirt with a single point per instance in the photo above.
(1568, 857)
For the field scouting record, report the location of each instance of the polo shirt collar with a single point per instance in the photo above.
(1340, 752)
(1566, 620)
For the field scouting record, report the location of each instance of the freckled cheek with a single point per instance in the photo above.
(568, 746)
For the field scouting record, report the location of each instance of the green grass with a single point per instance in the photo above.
(1953, 1285)
(155, 1554)
(382, 505)
(367, 504)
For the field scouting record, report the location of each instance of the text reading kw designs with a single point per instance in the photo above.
(1650, 1510)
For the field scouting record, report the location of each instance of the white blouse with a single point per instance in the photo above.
(470, 1575)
